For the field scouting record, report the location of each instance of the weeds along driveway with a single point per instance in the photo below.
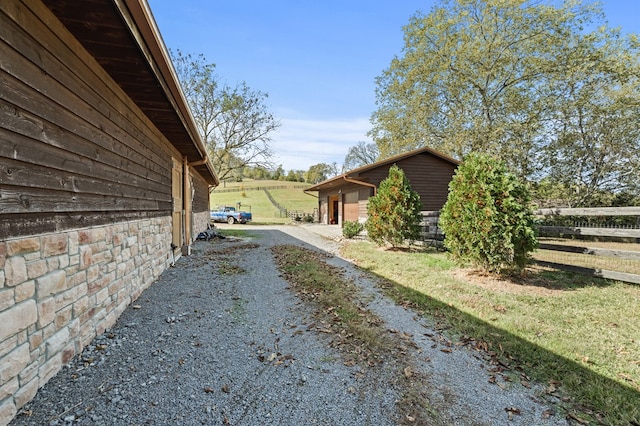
(222, 339)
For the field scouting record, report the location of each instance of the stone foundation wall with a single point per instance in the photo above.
(59, 291)
(200, 222)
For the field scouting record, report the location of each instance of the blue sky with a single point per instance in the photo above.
(316, 59)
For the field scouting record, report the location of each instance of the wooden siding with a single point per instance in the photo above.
(201, 194)
(429, 177)
(75, 151)
(350, 206)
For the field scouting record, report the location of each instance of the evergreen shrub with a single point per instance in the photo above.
(488, 219)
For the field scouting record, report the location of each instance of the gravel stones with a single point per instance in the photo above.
(220, 339)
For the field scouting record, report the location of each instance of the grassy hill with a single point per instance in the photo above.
(252, 197)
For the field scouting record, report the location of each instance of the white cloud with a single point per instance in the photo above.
(301, 143)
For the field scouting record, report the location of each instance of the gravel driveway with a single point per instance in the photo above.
(220, 339)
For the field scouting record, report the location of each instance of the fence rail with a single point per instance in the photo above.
(608, 232)
(260, 188)
(627, 233)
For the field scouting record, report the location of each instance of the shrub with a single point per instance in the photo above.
(351, 229)
(309, 218)
(487, 219)
(394, 212)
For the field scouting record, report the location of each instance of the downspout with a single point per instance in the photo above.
(186, 199)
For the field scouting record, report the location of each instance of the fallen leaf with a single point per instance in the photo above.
(225, 388)
(408, 372)
(578, 419)
(136, 306)
(208, 389)
(525, 384)
(272, 357)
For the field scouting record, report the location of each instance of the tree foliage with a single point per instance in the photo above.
(360, 155)
(519, 79)
(320, 172)
(394, 213)
(487, 219)
(234, 122)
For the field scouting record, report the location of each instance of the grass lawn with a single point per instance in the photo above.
(578, 335)
(256, 201)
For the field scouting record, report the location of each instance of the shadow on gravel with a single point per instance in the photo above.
(219, 339)
(512, 353)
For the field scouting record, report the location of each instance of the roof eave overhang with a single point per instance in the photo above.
(352, 175)
(160, 98)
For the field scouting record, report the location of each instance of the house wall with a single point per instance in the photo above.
(325, 195)
(75, 150)
(60, 290)
(85, 200)
(429, 177)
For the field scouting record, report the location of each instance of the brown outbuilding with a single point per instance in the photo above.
(345, 197)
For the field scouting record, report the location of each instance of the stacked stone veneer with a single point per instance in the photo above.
(58, 291)
(200, 222)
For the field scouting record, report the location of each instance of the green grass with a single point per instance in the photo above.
(631, 266)
(360, 336)
(252, 184)
(295, 199)
(581, 332)
(257, 202)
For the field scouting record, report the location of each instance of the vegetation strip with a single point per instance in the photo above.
(356, 332)
(577, 334)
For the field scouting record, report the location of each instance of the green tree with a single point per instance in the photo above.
(493, 76)
(234, 122)
(394, 213)
(487, 219)
(360, 155)
(319, 172)
(595, 146)
(278, 174)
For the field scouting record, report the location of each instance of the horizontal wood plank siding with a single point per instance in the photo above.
(75, 151)
(201, 193)
(429, 176)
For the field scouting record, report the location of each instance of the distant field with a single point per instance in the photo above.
(251, 183)
(256, 201)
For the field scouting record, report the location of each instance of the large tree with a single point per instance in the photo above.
(595, 142)
(360, 155)
(321, 171)
(495, 76)
(234, 122)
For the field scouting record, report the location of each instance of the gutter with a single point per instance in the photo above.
(153, 47)
(359, 182)
(199, 162)
(311, 195)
